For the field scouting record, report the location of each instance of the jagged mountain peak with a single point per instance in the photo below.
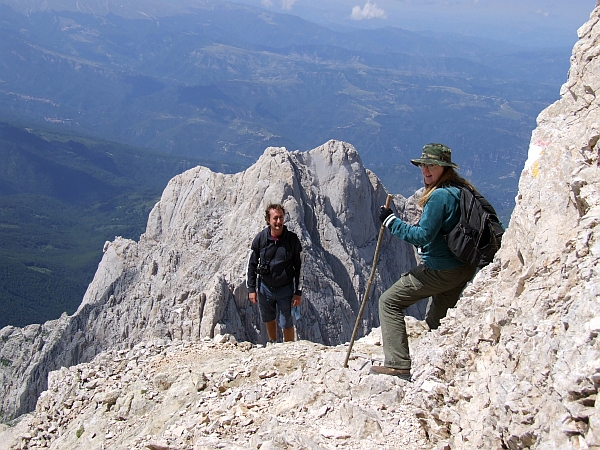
(185, 277)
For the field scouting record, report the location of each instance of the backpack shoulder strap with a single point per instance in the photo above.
(455, 185)
(262, 244)
(485, 204)
(262, 240)
(293, 239)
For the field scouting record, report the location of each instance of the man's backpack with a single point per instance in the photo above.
(478, 234)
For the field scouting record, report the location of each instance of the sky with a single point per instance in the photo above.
(536, 23)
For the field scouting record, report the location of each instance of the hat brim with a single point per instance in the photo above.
(435, 162)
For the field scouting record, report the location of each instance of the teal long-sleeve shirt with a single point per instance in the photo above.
(440, 214)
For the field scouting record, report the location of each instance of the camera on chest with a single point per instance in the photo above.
(262, 268)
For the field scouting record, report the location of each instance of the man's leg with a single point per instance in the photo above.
(268, 311)
(283, 297)
(289, 334)
(271, 329)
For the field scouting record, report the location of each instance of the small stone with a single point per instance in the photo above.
(333, 433)
(267, 374)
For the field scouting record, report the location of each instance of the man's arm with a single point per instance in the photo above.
(252, 265)
(297, 299)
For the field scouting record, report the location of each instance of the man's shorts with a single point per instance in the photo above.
(276, 304)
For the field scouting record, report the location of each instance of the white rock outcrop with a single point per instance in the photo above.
(185, 279)
(219, 393)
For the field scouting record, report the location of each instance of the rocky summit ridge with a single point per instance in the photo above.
(218, 393)
(186, 277)
(151, 364)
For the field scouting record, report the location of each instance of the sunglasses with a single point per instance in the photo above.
(427, 166)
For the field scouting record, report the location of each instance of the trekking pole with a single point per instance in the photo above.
(364, 302)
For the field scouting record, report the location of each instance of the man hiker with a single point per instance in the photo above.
(274, 273)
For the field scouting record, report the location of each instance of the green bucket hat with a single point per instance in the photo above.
(437, 154)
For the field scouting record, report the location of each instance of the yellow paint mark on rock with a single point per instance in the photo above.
(535, 169)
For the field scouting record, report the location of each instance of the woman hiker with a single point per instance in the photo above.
(440, 276)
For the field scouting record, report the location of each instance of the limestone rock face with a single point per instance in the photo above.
(186, 277)
(218, 393)
(518, 362)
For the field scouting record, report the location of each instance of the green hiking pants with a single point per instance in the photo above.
(443, 286)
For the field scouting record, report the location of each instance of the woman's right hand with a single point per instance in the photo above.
(252, 297)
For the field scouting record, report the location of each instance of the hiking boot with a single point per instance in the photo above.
(404, 374)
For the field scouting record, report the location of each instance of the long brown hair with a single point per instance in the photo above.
(449, 176)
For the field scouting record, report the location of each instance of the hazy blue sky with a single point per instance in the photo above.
(533, 22)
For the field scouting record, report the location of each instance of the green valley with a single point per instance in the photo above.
(61, 198)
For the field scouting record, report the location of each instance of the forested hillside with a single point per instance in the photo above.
(61, 198)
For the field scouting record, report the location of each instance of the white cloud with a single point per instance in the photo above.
(267, 3)
(287, 4)
(369, 11)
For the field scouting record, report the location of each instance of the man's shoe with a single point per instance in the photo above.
(382, 370)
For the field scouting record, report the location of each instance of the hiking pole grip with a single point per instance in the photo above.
(388, 200)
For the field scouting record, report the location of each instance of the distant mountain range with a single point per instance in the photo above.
(222, 81)
(218, 82)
